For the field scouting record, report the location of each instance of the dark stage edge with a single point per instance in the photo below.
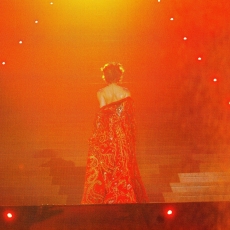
(195, 216)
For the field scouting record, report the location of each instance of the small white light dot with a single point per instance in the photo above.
(185, 38)
(199, 58)
(171, 19)
(9, 215)
(169, 212)
(20, 42)
(51, 3)
(159, 0)
(215, 79)
(36, 21)
(3, 63)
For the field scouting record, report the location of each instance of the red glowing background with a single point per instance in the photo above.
(176, 60)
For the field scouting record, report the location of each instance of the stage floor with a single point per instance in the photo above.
(186, 216)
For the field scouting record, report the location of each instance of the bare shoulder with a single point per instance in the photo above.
(101, 98)
(127, 92)
(100, 93)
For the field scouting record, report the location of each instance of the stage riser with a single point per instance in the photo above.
(186, 216)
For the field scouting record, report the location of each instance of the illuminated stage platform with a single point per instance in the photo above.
(177, 70)
(178, 216)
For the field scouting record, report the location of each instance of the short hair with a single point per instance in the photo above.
(112, 72)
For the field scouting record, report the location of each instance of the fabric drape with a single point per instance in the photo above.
(112, 174)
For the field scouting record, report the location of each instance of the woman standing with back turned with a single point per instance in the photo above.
(112, 174)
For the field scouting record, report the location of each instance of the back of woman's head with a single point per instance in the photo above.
(112, 72)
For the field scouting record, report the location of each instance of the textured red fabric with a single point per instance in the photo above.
(112, 174)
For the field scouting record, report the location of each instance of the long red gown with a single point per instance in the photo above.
(112, 174)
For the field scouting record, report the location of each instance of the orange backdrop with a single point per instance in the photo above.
(48, 86)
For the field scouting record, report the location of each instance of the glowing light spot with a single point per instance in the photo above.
(199, 58)
(159, 0)
(215, 79)
(9, 215)
(185, 38)
(169, 212)
(171, 19)
(36, 21)
(3, 63)
(20, 42)
(51, 3)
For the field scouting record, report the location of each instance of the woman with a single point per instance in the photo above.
(112, 174)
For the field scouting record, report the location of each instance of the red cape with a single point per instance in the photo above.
(112, 174)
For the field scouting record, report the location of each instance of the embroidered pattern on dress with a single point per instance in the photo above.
(112, 174)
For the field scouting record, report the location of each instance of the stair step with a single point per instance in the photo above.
(204, 177)
(156, 197)
(21, 200)
(26, 181)
(158, 188)
(204, 188)
(194, 197)
(30, 190)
